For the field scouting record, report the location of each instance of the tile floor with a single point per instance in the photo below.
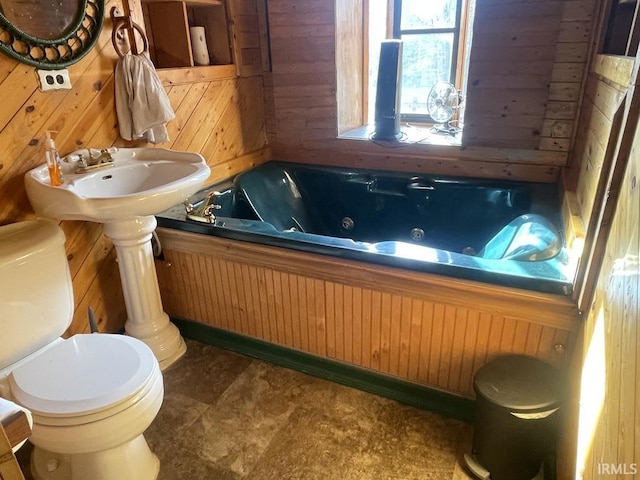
(229, 417)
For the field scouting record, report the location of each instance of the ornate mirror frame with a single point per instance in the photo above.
(55, 53)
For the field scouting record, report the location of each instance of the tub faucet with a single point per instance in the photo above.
(204, 211)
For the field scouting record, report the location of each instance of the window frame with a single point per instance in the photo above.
(459, 30)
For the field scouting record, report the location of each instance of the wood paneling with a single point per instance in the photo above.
(602, 100)
(611, 434)
(433, 330)
(601, 437)
(245, 34)
(526, 36)
(349, 46)
(597, 146)
(528, 96)
(221, 118)
(526, 71)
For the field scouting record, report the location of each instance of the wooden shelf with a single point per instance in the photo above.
(205, 2)
(190, 2)
(169, 23)
(182, 76)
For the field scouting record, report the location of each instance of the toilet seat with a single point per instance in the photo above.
(85, 378)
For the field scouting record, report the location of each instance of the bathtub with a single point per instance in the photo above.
(502, 233)
(415, 278)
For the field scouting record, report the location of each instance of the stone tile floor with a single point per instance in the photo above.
(230, 417)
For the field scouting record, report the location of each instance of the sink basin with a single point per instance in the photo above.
(141, 182)
(124, 191)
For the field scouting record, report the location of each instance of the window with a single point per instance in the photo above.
(434, 44)
(622, 33)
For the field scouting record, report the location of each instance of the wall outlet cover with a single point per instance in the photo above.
(54, 79)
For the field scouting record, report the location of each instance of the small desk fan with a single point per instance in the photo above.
(443, 102)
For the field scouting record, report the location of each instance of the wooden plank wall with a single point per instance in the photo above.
(245, 32)
(612, 433)
(424, 328)
(349, 26)
(527, 96)
(586, 181)
(507, 94)
(536, 80)
(606, 87)
(567, 77)
(222, 119)
(601, 437)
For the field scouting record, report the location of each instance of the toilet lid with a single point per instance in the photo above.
(83, 374)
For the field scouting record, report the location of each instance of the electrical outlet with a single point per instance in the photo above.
(54, 79)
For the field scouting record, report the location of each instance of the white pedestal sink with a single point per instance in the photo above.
(123, 195)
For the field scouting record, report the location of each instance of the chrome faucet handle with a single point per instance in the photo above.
(88, 159)
(105, 156)
(102, 156)
(103, 159)
(73, 158)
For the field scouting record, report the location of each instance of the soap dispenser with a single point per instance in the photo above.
(53, 159)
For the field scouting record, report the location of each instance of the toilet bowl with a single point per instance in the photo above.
(92, 396)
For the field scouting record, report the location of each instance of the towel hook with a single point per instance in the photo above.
(124, 22)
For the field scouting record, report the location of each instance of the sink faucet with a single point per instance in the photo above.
(92, 160)
(104, 156)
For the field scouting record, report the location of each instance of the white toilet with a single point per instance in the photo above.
(92, 396)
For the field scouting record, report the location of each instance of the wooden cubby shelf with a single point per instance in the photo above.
(168, 28)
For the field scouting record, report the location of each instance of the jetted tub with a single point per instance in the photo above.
(505, 233)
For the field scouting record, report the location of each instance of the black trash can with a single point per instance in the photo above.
(516, 419)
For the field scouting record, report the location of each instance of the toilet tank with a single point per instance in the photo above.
(36, 293)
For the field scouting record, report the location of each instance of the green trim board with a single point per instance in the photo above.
(436, 401)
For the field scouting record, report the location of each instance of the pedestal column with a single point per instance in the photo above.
(146, 320)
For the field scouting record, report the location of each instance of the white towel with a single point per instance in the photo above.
(8, 408)
(142, 105)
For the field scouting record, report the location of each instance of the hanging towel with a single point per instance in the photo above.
(142, 105)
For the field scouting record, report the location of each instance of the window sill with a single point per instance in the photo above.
(410, 135)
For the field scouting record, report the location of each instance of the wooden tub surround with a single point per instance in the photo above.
(425, 329)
